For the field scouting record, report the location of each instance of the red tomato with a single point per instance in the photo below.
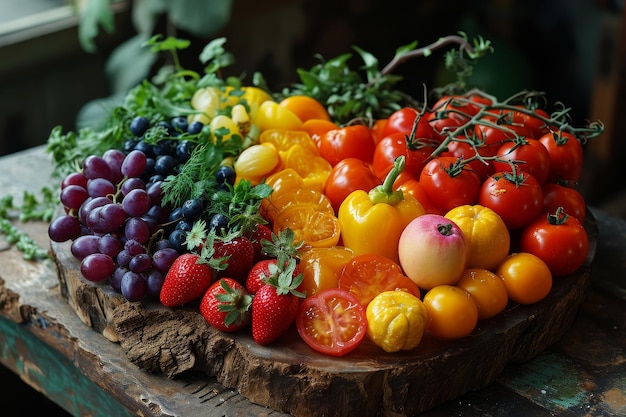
(441, 125)
(366, 276)
(377, 129)
(566, 157)
(354, 141)
(461, 108)
(559, 240)
(403, 121)
(535, 122)
(465, 150)
(415, 151)
(332, 322)
(533, 158)
(349, 175)
(449, 184)
(571, 201)
(517, 199)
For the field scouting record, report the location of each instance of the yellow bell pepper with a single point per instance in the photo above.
(373, 222)
(396, 320)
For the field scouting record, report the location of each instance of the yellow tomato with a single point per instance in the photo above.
(487, 291)
(526, 277)
(300, 196)
(452, 313)
(272, 116)
(254, 97)
(305, 107)
(321, 268)
(224, 127)
(487, 237)
(313, 169)
(285, 139)
(396, 320)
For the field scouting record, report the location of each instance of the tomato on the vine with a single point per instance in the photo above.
(449, 183)
(403, 121)
(348, 175)
(559, 240)
(353, 141)
(566, 157)
(332, 322)
(461, 107)
(367, 275)
(416, 151)
(516, 197)
(534, 121)
(570, 199)
(532, 156)
(477, 155)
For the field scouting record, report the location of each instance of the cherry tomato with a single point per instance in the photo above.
(465, 150)
(534, 122)
(526, 277)
(305, 107)
(569, 199)
(566, 157)
(317, 127)
(559, 240)
(377, 129)
(448, 183)
(452, 313)
(354, 141)
(390, 147)
(516, 198)
(403, 121)
(531, 153)
(442, 125)
(366, 276)
(348, 175)
(332, 322)
(416, 189)
(487, 291)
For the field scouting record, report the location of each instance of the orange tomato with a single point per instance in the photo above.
(526, 277)
(321, 268)
(305, 107)
(452, 313)
(317, 127)
(316, 229)
(299, 197)
(487, 291)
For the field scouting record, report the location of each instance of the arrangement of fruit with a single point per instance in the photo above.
(340, 205)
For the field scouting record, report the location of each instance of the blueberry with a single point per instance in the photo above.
(195, 127)
(219, 223)
(177, 240)
(176, 214)
(184, 150)
(225, 174)
(185, 225)
(192, 209)
(168, 127)
(139, 125)
(165, 147)
(129, 145)
(146, 148)
(179, 123)
(165, 164)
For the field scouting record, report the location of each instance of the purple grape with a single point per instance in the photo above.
(162, 244)
(75, 178)
(116, 279)
(133, 247)
(132, 184)
(89, 205)
(164, 258)
(159, 213)
(109, 245)
(155, 192)
(154, 283)
(106, 219)
(134, 164)
(153, 225)
(73, 196)
(137, 229)
(123, 258)
(136, 203)
(140, 263)
(114, 159)
(97, 267)
(84, 245)
(96, 167)
(133, 286)
(100, 187)
(64, 228)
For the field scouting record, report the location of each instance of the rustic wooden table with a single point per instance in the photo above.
(44, 342)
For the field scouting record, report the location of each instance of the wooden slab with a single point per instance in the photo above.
(288, 376)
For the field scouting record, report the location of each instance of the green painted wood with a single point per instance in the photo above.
(53, 374)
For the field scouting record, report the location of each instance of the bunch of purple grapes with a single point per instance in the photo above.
(119, 229)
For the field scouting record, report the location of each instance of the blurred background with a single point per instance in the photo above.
(62, 60)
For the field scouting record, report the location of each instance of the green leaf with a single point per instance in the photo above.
(123, 76)
(95, 13)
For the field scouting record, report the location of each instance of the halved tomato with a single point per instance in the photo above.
(365, 276)
(332, 322)
(317, 229)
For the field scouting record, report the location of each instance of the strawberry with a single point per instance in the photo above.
(275, 305)
(260, 273)
(225, 305)
(238, 257)
(187, 280)
(259, 233)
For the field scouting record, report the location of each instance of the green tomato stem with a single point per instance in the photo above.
(384, 193)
